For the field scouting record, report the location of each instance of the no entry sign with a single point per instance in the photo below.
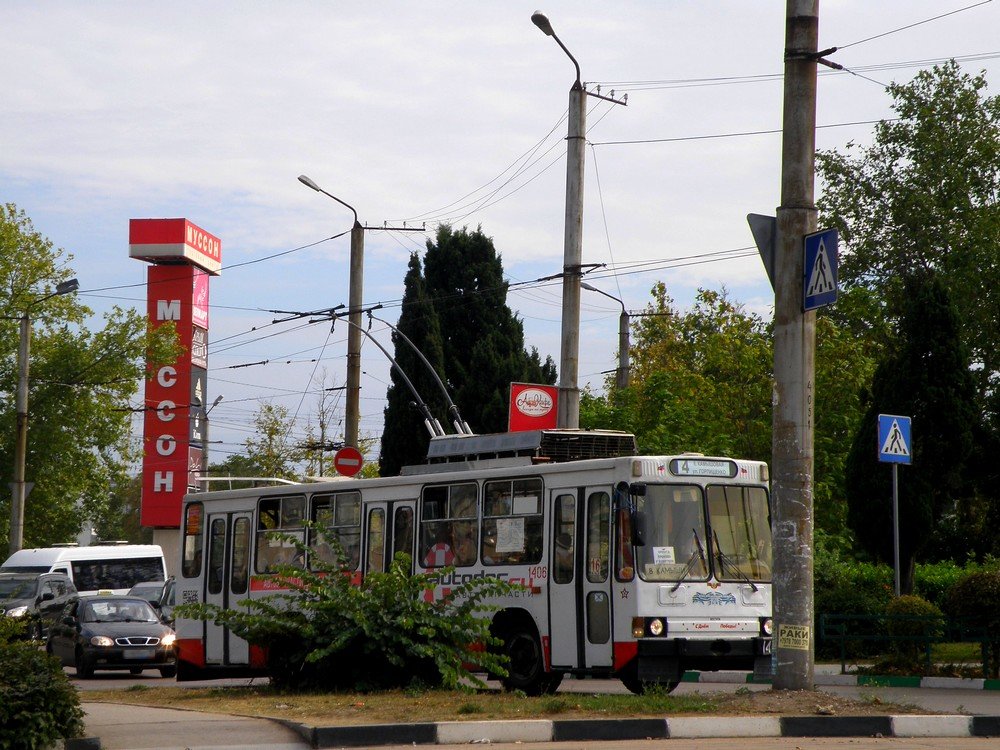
(348, 461)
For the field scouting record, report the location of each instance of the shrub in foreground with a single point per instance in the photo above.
(38, 704)
(383, 632)
(976, 600)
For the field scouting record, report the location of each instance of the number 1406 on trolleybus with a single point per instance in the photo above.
(639, 567)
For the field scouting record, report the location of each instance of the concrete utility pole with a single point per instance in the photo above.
(568, 414)
(621, 376)
(794, 361)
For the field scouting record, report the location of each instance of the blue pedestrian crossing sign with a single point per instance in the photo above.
(894, 444)
(819, 271)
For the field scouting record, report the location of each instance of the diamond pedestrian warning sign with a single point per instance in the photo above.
(819, 277)
(894, 439)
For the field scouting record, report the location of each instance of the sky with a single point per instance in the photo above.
(421, 113)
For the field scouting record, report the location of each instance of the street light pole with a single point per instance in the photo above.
(621, 379)
(19, 486)
(569, 363)
(352, 415)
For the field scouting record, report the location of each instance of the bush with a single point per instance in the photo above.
(38, 705)
(384, 632)
(848, 587)
(976, 600)
(914, 622)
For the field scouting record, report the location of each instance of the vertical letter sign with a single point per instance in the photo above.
(182, 256)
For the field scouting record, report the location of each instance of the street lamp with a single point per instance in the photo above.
(19, 486)
(621, 380)
(569, 363)
(352, 416)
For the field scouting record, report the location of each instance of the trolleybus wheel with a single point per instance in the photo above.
(630, 679)
(525, 670)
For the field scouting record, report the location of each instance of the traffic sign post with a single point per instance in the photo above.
(894, 447)
(819, 269)
(348, 461)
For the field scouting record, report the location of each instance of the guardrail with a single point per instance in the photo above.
(919, 633)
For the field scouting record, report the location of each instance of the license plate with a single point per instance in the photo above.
(766, 647)
(139, 653)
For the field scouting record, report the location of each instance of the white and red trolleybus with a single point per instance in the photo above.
(640, 567)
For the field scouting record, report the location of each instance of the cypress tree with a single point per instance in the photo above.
(927, 378)
(483, 340)
(404, 437)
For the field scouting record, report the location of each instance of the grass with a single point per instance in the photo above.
(400, 706)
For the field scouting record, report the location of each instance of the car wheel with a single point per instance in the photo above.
(135, 670)
(168, 671)
(84, 669)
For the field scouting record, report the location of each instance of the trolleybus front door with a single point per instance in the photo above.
(227, 580)
(580, 605)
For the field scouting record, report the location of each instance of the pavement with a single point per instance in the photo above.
(125, 727)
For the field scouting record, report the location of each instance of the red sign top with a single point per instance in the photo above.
(532, 407)
(158, 240)
(348, 461)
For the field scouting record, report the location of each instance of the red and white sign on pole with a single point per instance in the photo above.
(183, 257)
(532, 407)
(348, 461)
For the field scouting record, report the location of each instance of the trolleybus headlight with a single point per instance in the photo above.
(638, 627)
(656, 626)
(102, 640)
(767, 626)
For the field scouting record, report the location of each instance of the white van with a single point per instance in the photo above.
(100, 567)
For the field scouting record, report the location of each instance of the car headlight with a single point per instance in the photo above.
(102, 640)
(17, 611)
(168, 640)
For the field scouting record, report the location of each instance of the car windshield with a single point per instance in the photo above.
(16, 588)
(150, 591)
(126, 610)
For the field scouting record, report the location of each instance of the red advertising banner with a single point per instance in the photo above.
(532, 407)
(171, 240)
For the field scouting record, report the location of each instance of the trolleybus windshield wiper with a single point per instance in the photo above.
(725, 560)
(700, 552)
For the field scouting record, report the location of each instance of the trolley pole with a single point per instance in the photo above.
(794, 361)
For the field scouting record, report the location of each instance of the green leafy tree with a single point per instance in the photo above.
(927, 378)
(272, 448)
(923, 197)
(700, 380)
(81, 386)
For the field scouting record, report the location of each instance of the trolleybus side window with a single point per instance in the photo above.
(741, 532)
(449, 525)
(275, 516)
(191, 554)
(676, 535)
(598, 536)
(240, 574)
(402, 531)
(512, 522)
(339, 515)
(376, 540)
(564, 537)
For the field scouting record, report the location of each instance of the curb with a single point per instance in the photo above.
(686, 727)
(852, 680)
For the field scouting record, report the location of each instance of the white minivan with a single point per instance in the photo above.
(98, 568)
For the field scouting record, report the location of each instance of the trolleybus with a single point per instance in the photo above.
(639, 567)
